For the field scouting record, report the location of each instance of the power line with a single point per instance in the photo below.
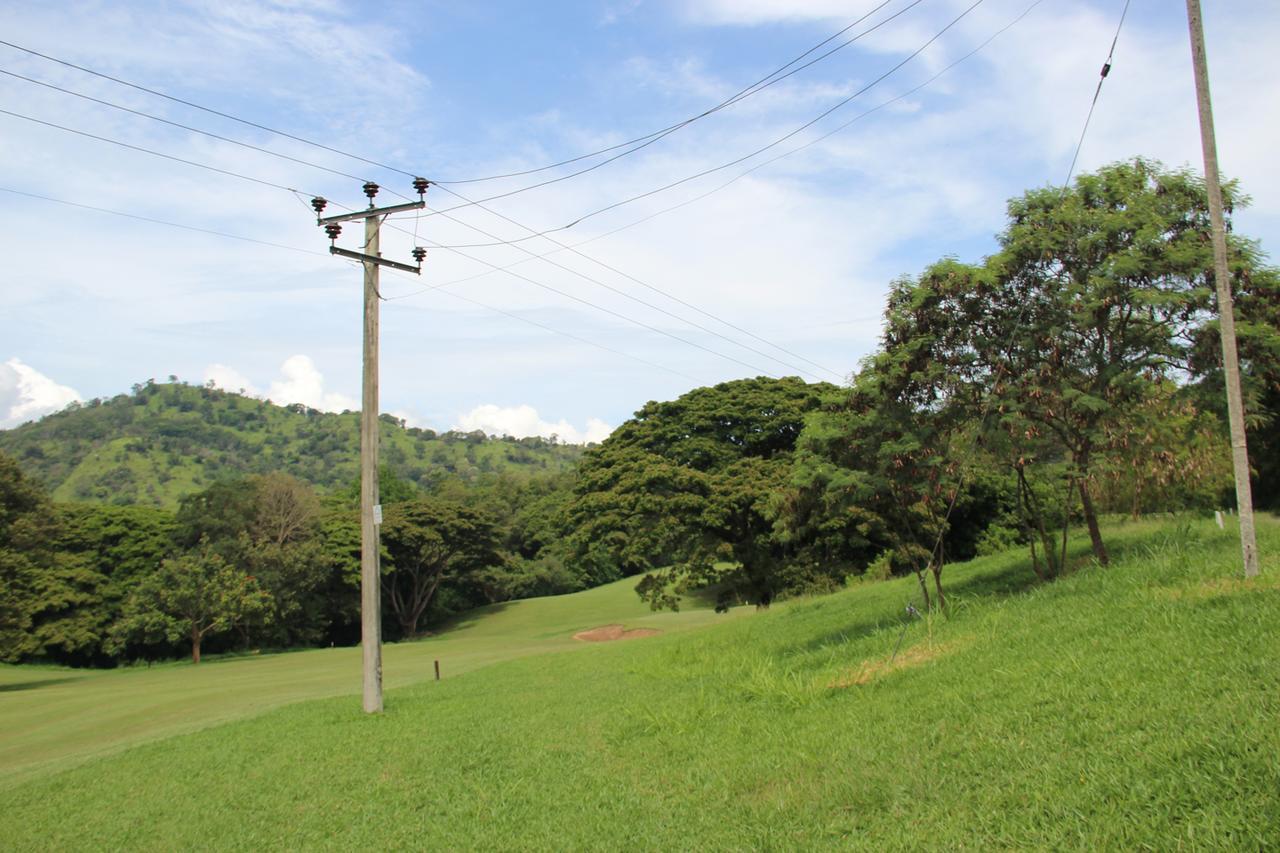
(150, 151)
(180, 126)
(155, 221)
(1106, 69)
(714, 169)
(294, 192)
(556, 180)
(219, 137)
(745, 173)
(202, 108)
(755, 88)
(658, 290)
(635, 299)
(633, 321)
(438, 288)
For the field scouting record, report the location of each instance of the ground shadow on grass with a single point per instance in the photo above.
(1011, 578)
(36, 685)
(463, 621)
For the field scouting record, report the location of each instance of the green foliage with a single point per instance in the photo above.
(430, 543)
(192, 596)
(689, 485)
(165, 441)
(1132, 708)
(1005, 390)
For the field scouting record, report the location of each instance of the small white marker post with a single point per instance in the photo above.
(1217, 513)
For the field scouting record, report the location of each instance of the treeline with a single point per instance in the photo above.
(1075, 372)
(1072, 374)
(257, 562)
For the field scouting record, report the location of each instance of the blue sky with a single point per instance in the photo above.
(798, 253)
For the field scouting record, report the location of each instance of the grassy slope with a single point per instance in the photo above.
(1133, 706)
(53, 717)
(168, 440)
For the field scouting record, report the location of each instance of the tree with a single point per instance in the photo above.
(23, 508)
(1096, 294)
(192, 596)
(430, 542)
(685, 490)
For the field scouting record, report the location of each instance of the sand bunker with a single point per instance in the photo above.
(605, 633)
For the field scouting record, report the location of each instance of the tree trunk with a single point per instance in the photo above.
(937, 585)
(924, 589)
(195, 645)
(1091, 519)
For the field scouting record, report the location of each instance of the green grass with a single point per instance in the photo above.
(1129, 707)
(53, 717)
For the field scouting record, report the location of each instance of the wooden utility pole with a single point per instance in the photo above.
(370, 542)
(370, 508)
(1226, 307)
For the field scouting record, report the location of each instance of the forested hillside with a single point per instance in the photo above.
(167, 440)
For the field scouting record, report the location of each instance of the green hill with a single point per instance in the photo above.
(163, 441)
(1125, 707)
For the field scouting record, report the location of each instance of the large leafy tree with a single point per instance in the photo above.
(687, 492)
(270, 526)
(192, 596)
(431, 542)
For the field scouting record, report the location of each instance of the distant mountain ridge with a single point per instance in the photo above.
(166, 440)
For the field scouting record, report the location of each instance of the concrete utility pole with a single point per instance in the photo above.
(370, 508)
(1226, 307)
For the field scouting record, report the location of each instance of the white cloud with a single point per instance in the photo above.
(300, 382)
(523, 421)
(303, 383)
(27, 394)
(229, 379)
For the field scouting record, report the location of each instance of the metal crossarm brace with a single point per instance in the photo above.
(359, 256)
(372, 211)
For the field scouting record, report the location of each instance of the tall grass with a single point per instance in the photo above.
(1130, 707)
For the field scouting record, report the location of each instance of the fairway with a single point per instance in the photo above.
(55, 717)
(1123, 707)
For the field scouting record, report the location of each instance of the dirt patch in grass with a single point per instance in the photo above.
(1219, 587)
(912, 656)
(606, 633)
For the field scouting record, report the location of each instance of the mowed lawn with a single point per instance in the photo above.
(1129, 707)
(53, 717)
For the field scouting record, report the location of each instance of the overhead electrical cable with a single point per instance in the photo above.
(768, 80)
(615, 205)
(746, 93)
(441, 290)
(150, 151)
(658, 290)
(156, 221)
(292, 191)
(775, 76)
(185, 127)
(575, 247)
(417, 219)
(1102, 77)
(638, 300)
(229, 236)
(745, 173)
(203, 108)
(617, 314)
